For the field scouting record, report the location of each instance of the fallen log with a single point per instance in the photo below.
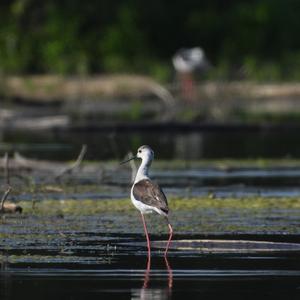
(11, 208)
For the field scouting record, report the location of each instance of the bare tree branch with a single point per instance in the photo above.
(4, 197)
(75, 165)
(7, 180)
(8, 207)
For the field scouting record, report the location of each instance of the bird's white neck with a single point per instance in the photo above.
(142, 172)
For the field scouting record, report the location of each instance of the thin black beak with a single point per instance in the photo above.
(127, 160)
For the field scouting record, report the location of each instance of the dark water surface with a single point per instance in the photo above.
(129, 276)
(232, 142)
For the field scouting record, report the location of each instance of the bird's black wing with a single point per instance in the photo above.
(149, 193)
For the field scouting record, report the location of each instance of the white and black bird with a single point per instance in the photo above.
(146, 195)
(187, 63)
(187, 60)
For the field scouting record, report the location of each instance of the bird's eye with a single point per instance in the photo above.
(140, 151)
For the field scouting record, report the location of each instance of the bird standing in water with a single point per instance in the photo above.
(146, 195)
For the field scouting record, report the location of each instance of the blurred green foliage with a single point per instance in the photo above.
(256, 39)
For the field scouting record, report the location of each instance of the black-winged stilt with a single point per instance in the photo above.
(188, 61)
(146, 195)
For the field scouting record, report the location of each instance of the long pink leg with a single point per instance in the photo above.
(170, 238)
(170, 273)
(147, 236)
(147, 273)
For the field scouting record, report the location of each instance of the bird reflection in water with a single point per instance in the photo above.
(158, 293)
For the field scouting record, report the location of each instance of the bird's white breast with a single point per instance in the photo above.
(143, 208)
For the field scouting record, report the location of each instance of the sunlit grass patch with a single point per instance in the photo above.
(91, 207)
